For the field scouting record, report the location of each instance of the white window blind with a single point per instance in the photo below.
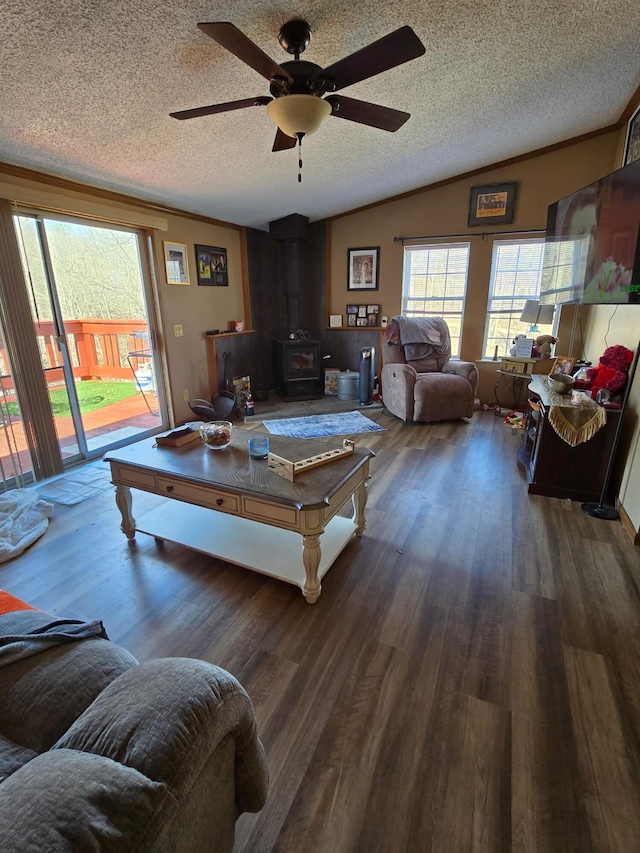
(516, 270)
(434, 284)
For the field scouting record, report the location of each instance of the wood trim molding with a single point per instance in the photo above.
(246, 295)
(501, 164)
(110, 195)
(631, 107)
(628, 525)
(38, 199)
(328, 277)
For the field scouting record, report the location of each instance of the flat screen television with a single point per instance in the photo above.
(592, 244)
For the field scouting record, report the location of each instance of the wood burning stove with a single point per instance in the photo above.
(298, 370)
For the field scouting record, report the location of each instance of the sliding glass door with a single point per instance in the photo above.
(88, 298)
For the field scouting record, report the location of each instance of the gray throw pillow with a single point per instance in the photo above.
(65, 801)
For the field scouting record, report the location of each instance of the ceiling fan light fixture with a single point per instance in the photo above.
(298, 114)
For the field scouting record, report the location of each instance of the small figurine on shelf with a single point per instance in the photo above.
(248, 405)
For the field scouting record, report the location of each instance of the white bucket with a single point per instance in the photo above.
(348, 385)
(145, 379)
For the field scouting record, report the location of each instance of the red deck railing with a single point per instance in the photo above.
(99, 349)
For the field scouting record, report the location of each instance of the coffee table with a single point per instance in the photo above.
(228, 505)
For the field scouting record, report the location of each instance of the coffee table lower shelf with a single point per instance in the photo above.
(269, 550)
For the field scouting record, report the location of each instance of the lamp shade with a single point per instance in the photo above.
(298, 113)
(534, 313)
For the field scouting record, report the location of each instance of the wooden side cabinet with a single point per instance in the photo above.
(554, 468)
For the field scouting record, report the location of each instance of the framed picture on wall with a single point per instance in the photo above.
(493, 204)
(175, 261)
(632, 144)
(362, 268)
(211, 263)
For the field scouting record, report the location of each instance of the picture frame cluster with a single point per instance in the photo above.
(363, 315)
(211, 264)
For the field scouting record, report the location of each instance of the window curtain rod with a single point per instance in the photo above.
(475, 234)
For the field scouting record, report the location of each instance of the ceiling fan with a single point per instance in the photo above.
(297, 102)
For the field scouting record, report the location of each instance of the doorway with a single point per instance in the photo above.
(89, 296)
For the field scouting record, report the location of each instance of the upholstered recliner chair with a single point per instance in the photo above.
(420, 380)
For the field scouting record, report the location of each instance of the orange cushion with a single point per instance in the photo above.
(9, 603)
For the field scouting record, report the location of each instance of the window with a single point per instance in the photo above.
(516, 270)
(434, 284)
(564, 269)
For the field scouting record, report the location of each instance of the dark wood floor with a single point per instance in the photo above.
(469, 679)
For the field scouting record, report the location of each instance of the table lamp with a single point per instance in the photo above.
(534, 313)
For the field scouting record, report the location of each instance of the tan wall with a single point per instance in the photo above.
(197, 309)
(541, 180)
(607, 325)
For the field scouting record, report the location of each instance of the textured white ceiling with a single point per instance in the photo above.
(86, 88)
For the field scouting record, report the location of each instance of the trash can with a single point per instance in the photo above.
(348, 385)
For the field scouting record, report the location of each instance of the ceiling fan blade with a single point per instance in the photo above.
(282, 142)
(393, 49)
(363, 112)
(261, 101)
(236, 42)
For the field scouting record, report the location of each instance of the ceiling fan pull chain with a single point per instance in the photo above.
(299, 135)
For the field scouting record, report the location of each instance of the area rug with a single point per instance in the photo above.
(317, 426)
(68, 492)
(82, 483)
(276, 408)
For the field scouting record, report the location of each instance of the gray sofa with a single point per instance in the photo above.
(100, 753)
(420, 381)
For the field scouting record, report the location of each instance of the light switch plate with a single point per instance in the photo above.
(177, 331)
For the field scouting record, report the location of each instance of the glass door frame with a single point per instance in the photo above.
(63, 347)
(150, 301)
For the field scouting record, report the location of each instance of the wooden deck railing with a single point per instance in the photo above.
(99, 349)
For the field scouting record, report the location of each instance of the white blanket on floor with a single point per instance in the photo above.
(24, 517)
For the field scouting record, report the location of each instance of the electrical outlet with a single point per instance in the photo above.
(185, 395)
(177, 332)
